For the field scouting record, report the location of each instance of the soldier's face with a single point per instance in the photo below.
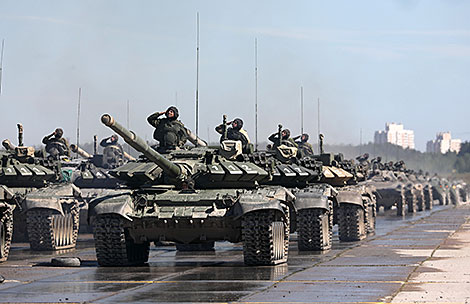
(170, 114)
(234, 124)
(283, 134)
(304, 138)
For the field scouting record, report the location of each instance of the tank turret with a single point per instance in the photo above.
(140, 145)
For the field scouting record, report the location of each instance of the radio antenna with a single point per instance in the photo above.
(301, 110)
(256, 94)
(1, 65)
(197, 77)
(318, 121)
(78, 117)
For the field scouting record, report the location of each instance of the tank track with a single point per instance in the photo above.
(113, 246)
(412, 202)
(428, 198)
(370, 218)
(401, 206)
(6, 233)
(265, 238)
(420, 201)
(351, 223)
(314, 230)
(48, 230)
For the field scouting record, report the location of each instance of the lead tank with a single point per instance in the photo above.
(189, 197)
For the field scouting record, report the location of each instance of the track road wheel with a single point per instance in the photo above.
(265, 236)
(6, 233)
(351, 223)
(314, 230)
(49, 230)
(113, 245)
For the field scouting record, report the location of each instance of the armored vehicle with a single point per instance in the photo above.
(312, 214)
(190, 197)
(441, 190)
(390, 191)
(356, 200)
(49, 206)
(414, 195)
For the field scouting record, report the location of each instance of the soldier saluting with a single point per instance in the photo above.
(284, 140)
(113, 151)
(305, 148)
(235, 132)
(56, 145)
(169, 131)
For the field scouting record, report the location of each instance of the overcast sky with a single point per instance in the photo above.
(369, 62)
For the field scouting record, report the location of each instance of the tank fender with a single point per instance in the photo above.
(350, 197)
(249, 202)
(116, 203)
(6, 193)
(44, 202)
(51, 197)
(311, 200)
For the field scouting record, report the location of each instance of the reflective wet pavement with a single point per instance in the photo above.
(418, 258)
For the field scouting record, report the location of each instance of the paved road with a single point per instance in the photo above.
(421, 258)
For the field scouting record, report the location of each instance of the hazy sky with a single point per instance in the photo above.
(369, 62)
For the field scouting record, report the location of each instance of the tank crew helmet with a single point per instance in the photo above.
(58, 133)
(285, 133)
(114, 138)
(304, 137)
(237, 124)
(174, 110)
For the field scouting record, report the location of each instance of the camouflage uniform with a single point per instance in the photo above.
(286, 140)
(113, 152)
(169, 132)
(237, 133)
(305, 148)
(56, 145)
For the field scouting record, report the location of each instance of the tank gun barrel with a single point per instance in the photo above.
(128, 156)
(140, 145)
(195, 140)
(8, 145)
(79, 151)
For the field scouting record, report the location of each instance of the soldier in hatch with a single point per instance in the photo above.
(56, 145)
(235, 132)
(305, 148)
(113, 153)
(169, 131)
(285, 139)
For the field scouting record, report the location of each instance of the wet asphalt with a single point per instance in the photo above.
(386, 267)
